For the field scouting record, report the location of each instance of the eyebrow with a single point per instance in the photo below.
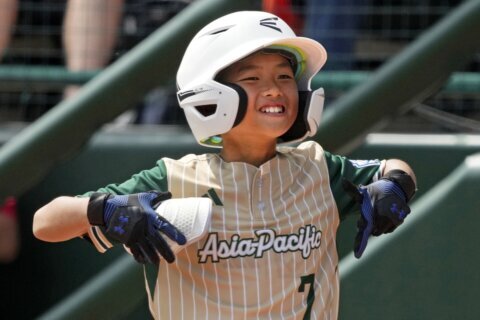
(250, 67)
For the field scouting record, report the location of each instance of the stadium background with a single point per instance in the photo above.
(426, 271)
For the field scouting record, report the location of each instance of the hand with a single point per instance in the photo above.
(383, 208)
(132, 220)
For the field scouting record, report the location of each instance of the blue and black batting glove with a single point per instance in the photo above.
(383, 205)
(132, 221)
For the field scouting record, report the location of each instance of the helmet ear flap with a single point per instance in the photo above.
(310, 107)
(300, 125)
(242, 102)
(213, 108)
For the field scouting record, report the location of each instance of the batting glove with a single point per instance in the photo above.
(132, 220)
(384, 205)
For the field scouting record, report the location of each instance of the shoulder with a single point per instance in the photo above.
(307, 156)
(312, 148)
(308, 150)
(189, 160)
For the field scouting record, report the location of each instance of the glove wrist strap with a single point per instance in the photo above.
(95, 208)
(404, 180)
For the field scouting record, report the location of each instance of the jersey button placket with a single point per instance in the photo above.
(260, 203)
(264, 171)
(259, 185)
(258, 206)
(261, 206)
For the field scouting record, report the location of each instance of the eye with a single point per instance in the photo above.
(285, 76)
(249, 79)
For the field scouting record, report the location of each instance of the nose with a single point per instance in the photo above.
(271, 89)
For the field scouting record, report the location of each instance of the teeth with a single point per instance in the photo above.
(272, 110)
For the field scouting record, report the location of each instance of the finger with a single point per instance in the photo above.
(162, 247)
(159, 197)
(361, 239)
(148, 200)
(171, 231)
(137, 254)
(365, 227)
(382, 224)
(366, 208)
(404, 212)
(149, 252)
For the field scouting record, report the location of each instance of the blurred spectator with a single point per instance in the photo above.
(291, 11)
(93, 30)
(8, 17)
(90, 34)
(9, 238)
(335, 24)
(142, 18)
(160, 106)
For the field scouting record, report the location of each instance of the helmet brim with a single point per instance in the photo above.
(311, 56)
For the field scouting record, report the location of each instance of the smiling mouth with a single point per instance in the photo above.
(273, 109)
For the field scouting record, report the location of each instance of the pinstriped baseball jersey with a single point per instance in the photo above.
(270, 252)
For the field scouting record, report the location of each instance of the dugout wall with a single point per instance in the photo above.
(70, 279)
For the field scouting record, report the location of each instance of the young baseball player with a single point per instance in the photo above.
(269, 250)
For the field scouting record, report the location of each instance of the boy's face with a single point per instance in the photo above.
(269, 82)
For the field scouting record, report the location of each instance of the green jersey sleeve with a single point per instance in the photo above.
(146, 180)
(357, 171)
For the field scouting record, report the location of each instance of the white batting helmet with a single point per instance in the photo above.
(213, 108)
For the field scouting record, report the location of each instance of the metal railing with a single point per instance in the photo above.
(57, 77)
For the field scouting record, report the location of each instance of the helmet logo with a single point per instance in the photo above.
(270, 23)
(185, 94)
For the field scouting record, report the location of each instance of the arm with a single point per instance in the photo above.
(62, 219)
(396, 164)
(65, 218)
(127, 219)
